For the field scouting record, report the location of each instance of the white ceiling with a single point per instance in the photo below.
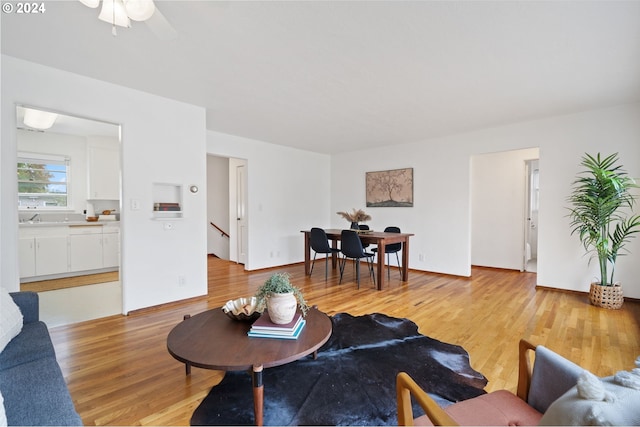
(333, 76)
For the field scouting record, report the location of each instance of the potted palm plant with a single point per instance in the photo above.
(600, 195)
(280, 297)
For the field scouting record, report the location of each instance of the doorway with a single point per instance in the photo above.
(499, 209)
(531, 216)
(227, 212)
(218, 230)
(69, 191)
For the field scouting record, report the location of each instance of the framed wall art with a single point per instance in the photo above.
(390, 188)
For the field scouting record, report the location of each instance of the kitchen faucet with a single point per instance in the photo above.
(34, 217)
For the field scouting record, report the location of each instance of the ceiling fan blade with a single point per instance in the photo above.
(159, 26)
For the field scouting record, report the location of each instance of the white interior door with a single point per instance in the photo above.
(241, 214)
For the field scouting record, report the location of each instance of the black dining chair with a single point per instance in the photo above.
(392, 248)
(351, 247)
(364, 227)
(320, 245)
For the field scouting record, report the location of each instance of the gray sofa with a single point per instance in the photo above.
(32, 384)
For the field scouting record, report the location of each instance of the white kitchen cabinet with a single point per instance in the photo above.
(43, 251)
(27, 256)
(51, 255)
(110, 247)
(85, 248)
(103, 167)
(46, 251)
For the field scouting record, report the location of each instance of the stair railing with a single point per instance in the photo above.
(223, 233)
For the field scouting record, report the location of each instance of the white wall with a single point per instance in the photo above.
(561, 260)
(498, 195)
(152, 129)
(441, 214)
(288, 191)
(218, 205)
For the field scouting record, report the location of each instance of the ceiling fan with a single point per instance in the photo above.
(121, 12)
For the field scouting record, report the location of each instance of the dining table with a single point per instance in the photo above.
(379, 238)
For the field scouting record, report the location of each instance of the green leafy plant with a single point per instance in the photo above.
(600, 194)
(279, 283)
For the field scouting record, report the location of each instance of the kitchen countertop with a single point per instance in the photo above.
(30, 224)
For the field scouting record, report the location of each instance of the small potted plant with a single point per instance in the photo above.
(599, 194)
(280, 297)
(355, 217)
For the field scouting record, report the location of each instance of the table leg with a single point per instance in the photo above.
(381, 258)
(307, 254)
(187, 366)
(405, 260)
(258, 395)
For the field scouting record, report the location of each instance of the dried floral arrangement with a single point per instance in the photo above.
(355, 216)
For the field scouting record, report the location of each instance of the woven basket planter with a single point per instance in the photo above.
(606, 296)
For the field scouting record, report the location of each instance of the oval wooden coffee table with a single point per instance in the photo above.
(212, 340)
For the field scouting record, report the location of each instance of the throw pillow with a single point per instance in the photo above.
(3, 415)
(595, 401)
(10, 318)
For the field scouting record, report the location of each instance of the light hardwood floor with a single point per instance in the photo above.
(120, 373)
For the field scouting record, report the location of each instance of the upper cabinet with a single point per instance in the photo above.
(103, 168)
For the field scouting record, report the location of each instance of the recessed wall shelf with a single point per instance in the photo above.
(167, 201)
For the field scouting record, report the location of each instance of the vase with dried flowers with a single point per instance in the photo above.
(355, 217)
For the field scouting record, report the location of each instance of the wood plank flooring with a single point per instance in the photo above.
(70, 282)
(120, 373)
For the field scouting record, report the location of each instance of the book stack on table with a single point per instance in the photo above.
(265, 328)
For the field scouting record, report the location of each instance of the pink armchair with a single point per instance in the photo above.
(538, 386)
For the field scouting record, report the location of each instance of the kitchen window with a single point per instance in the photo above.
(43, 181)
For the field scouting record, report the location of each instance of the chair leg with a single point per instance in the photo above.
(326, 266)
(313, 263)
(358, 272)
(388, 268)
(344, 261)
(372, 271)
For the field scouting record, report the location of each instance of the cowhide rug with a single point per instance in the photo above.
(352, 382)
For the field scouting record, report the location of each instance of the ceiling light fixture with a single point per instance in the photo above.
(37, 119)
(119, 12)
